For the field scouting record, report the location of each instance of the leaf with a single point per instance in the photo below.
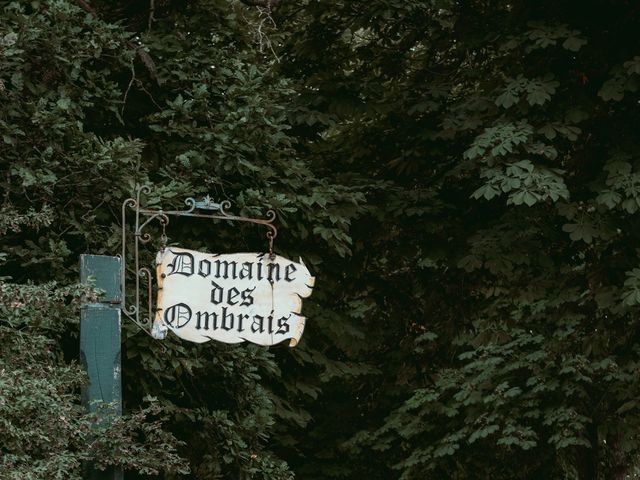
(627, 406)
(64, 103)
(609, 198)
(529, 198)
(470, 263)
(540, 91)
(580, 231)
(612, 89)
(574, 43)
(506, 99)
(487, 192)
(483, 432)
(633, 66)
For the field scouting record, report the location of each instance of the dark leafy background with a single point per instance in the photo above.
(461, 177)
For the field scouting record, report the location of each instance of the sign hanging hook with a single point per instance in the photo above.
(163, 237)
(270, 236)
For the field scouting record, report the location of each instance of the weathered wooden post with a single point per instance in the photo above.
(100, 347)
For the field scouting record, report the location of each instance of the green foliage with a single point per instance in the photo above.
(98, 98)
(462, 178)
(45, 432)
(496, 140)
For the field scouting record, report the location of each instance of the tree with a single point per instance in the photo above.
(494, 140)
(460, 177)
(98, 98)
(45, 432)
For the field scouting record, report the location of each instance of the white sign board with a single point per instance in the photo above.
(231, 297)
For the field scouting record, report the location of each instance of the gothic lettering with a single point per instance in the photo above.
(247, 271)
(288, 271)
(283, 325)
(231, 298)
(258, 324)
(206, 316)
(182, 264)
(229, 269)
(270, 269)
(247, 298)
(241, 317)
(259, 276)
(204, 268)
(178, 315)
(227, 319)
(216, 293)
(231, 295)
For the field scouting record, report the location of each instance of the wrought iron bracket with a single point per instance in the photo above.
(205, 208)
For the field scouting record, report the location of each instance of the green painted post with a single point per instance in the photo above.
(100, 347)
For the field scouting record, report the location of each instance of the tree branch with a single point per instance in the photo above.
(145, 58)
(152, 11)
(261, 3)
(87, 8)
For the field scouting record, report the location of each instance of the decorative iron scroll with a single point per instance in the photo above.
(205, 208)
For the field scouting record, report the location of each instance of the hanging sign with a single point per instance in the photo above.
(231, 297)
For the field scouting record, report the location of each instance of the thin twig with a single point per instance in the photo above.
(141, 87)
(6, 193)
(261, 37)
(270, 4)
(152, 9)
(126, 93)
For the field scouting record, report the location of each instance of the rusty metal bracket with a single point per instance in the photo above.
(205, 208)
